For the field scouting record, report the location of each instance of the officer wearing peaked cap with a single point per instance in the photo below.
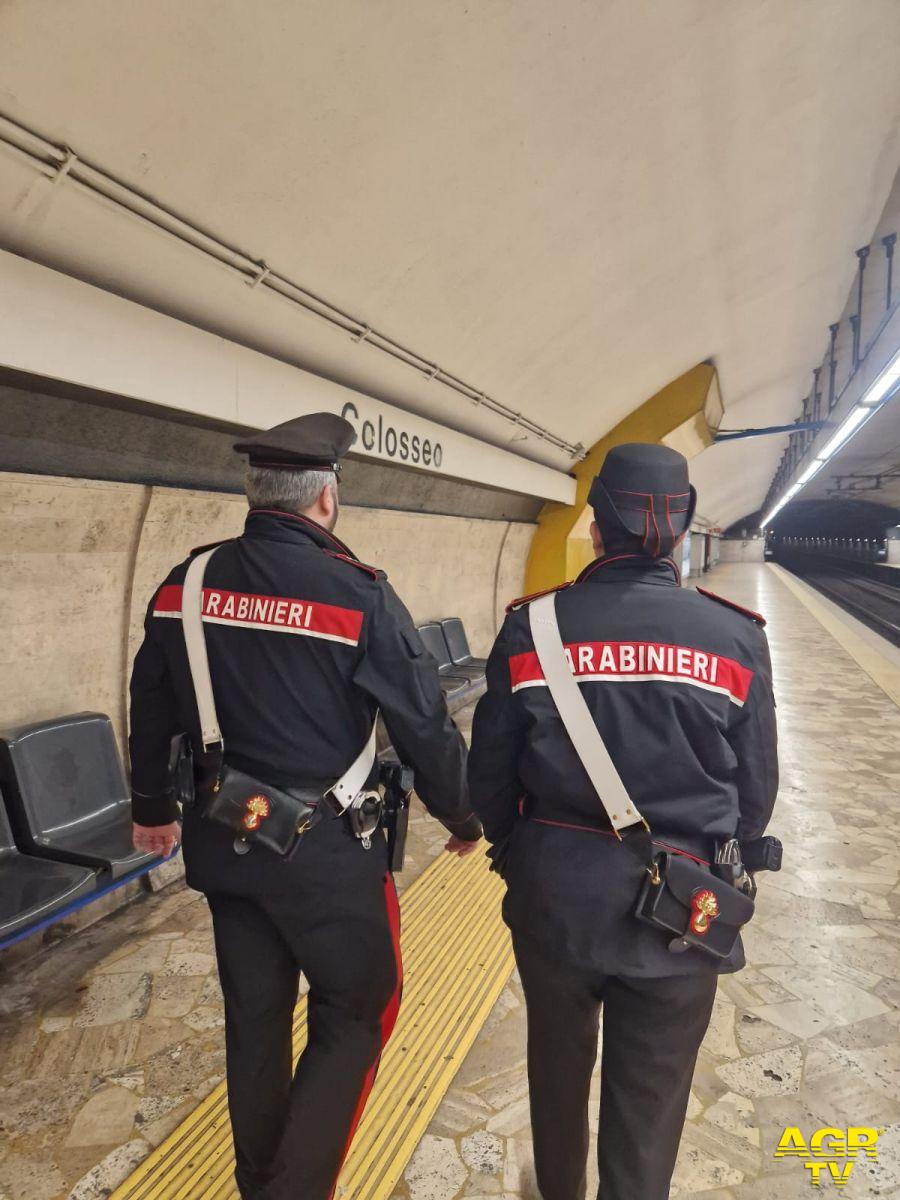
(678, 684)
(305, 644)
(315, 442)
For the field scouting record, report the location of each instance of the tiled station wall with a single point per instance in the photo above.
(79, 560)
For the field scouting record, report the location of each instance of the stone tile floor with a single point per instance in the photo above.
(808, 1034)
(109, 1038)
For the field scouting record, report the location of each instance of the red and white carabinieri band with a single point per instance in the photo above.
(634, 662)
(280, 614)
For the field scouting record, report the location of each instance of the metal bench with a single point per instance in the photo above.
(34, 890)
(456, 685)
(458, 648)
(66, 795)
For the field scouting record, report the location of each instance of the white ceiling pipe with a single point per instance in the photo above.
(62, 164)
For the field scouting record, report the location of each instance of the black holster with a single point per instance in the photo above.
(397, 780)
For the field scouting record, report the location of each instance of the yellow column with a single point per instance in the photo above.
(684, 415)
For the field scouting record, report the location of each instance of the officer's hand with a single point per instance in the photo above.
(156, 839)
(459, 847)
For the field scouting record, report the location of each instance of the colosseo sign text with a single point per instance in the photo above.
(379, 437)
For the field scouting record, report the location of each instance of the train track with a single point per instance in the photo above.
(874, 603)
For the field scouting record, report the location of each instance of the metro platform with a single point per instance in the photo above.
(111, 1046)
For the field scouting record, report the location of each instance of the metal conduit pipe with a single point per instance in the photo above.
(61, 165)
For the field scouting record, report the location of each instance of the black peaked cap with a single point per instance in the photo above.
(644, 490)
(645, 467)
(316, 442)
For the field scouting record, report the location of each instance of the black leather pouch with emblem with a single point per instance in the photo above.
(683, 897)
(258, 812)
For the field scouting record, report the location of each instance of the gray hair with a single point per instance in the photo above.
(293, 491)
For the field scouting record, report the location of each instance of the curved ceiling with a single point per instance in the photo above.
(567, 205)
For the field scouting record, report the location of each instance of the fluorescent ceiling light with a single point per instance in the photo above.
(882, 389)
(884, 384)
(814, 467)
(845, 431)
(767, 520)
(776, 510)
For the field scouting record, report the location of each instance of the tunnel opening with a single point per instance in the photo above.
(849, 550)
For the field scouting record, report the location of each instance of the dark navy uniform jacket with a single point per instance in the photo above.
(305, 643)
(680, 686)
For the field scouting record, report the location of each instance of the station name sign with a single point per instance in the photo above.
(57, 326)
(405, 439)
(387, 440)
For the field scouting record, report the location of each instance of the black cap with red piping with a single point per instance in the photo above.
(642, 498)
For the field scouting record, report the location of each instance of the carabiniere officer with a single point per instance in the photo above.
(305, 644)
(679, 685)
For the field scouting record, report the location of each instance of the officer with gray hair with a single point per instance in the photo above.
(266, 660)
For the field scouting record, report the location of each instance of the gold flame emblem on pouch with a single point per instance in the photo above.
(256, 809)
(704, 910)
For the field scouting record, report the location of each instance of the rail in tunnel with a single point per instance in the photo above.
(868, 591)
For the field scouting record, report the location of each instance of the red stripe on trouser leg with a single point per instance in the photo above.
(388, 1017)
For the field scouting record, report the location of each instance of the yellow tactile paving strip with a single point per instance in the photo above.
(457, 958)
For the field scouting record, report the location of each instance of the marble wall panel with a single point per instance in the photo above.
(80, 560)
(67, 551)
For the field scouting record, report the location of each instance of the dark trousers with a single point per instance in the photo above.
(292, 1129)
(652, 1030)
